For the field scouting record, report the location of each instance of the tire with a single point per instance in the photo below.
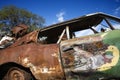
(15, 73)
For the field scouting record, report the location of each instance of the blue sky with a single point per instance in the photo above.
(55, 11)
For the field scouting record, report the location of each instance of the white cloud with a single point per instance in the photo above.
(89, 32)
(83, 33)
(117, 26)
(117, 10)
(53, 22)
(60, 16)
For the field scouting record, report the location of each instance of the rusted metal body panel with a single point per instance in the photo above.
(19, 30)
(43, 60)
(73, 51)
(90, 57)
(28, 38)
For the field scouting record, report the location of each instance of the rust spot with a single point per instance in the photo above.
(31, 37)
(19, 30)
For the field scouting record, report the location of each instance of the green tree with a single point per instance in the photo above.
(10, 16)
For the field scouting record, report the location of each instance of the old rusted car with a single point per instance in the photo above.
(84, 48)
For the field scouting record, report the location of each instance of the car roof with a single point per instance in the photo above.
(76, 24)
(81, 23)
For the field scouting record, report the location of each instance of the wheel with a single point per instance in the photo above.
(18, 74)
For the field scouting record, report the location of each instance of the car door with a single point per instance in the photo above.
(92, 56)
